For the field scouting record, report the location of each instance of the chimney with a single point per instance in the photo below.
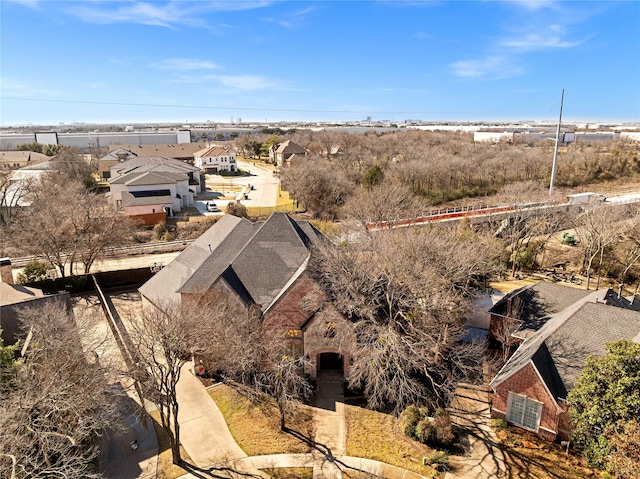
(5, 271)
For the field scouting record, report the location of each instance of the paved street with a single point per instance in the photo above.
(264, 190)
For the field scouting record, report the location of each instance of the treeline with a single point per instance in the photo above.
(439, 167)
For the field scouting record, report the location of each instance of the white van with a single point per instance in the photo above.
(211, 206)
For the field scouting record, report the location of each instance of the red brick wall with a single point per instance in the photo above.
(526, 382)
(303, 300)
(296, 305)
(564, 423)
(316, 341)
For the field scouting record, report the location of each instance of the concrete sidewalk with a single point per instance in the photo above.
(203, 431)
(483, 458)
(329, 425)
(120, 461)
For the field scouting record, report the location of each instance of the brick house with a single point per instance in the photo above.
(264, 267)
(284, 152)
(529, 308)
(531, 389)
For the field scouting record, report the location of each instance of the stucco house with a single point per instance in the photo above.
(216, 159)
(264, 266)
(282, 153)
(531, 389)
(152, 188)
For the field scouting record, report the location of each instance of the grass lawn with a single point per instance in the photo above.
(254, 422)
(166, 468)
(528, 457)
(374, 435)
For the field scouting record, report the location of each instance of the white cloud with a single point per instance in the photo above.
(422, 35)
(185, 64)
(21, 88)
(494, 67)
(164, 14)
(536, 41)
(247, 82)
(534, 4)
(26, 3)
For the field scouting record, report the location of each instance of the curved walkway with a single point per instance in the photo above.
(206, 438)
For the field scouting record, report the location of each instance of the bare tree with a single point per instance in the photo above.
(54, 412)
(317, 184)
(598, 228)
(69, 224)
(521, 227)
(407, 317)
(70, 162)
(387, 204)
(13, 195)
(164, 340)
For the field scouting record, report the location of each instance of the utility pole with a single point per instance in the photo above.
(555, 151)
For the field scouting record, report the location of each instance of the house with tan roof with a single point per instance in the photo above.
(12, 160)
(263, 266)
(531, 389)
(119, 153)
(284, 152)
(216, 159)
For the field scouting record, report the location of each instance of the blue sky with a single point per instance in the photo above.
(192, 61)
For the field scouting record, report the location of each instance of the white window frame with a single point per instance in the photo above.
(528, 403)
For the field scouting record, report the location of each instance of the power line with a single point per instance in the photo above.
(200, 107)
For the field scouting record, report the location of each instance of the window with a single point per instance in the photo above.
(524, 411)
(293, 333)
(330, 329)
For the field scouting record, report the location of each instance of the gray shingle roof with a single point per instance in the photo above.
(164, 285)
(257, 260)
(536, 303)
(276, 254)
(560, 348)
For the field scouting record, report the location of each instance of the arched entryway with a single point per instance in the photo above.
(330, 362)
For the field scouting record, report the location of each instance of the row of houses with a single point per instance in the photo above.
(264, 268)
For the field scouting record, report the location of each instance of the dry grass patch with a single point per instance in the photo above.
(290, 472)
(254, 421)
(527, 456)
(166, 468)
(375, 435)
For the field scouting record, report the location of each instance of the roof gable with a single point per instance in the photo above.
(535, 304)
(258, 260)
(560, 348)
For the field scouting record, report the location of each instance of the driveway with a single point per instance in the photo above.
(262, 187)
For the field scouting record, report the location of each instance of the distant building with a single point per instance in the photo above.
(282, 152)
(12, 160)
(216, 159)
(152, 188)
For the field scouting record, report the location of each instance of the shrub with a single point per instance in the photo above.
(408, 420)
(33, 271)
(425, 431)
(443, 429)
(439, 460)
(499, 423)
(236, 208)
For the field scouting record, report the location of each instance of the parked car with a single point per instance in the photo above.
(211, 206)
